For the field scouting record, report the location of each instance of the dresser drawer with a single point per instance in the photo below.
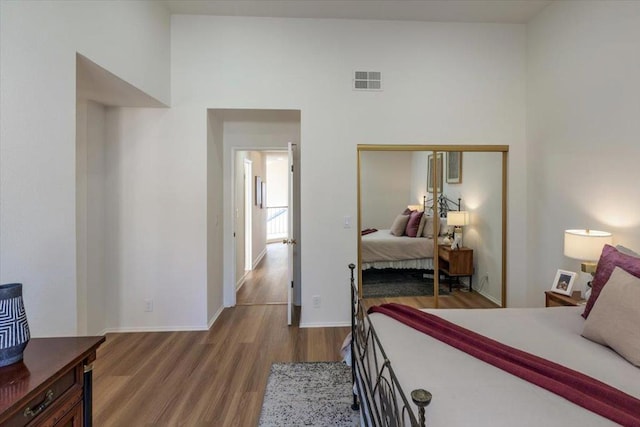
(48, 404)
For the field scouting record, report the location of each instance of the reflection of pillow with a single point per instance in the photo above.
(444, 228)
(423, 221)
(413, 224)
(615, 317)
(627, 251)
(428, 228)
(399, 225)
(610, 259)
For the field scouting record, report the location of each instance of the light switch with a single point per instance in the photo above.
(347, 222)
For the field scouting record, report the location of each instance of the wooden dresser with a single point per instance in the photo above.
(51, 386)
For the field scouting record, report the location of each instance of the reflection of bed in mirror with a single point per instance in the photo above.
(381, 249)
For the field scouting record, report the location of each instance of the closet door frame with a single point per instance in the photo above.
(435, 149)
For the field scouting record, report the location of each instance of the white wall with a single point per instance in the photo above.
(215, 213)
(444, 83)
(481, 194)
(385, 186)
(91, 207)
(38, 45)
(157, 242)
(583, 106)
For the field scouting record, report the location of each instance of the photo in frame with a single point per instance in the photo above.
(438, 173)
(563, 282)
(258, 191)
(454, 167)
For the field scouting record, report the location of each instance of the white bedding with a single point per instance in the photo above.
(384, 246)
(467, 391)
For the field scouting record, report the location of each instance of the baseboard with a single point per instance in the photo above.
(490, 298)
(259, 258)
(325, 325)
(240, 282)
(156, 329)
(214, 317)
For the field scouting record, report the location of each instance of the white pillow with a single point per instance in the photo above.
(399, 225)
(428, 228)
(614, 320)
(423, 221)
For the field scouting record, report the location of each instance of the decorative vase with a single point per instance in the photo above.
(14, 329)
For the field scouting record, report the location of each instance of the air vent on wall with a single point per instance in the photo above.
(367, 80)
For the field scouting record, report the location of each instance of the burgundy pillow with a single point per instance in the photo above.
(413, 224)
(610, 259)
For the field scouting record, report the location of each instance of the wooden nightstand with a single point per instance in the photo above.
(456, 263)
(553, 299)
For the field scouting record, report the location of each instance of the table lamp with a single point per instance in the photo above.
(458, 219)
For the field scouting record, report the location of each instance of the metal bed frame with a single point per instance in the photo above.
(377, 390)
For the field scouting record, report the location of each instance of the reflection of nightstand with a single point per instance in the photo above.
(456, 263)
(558, 300)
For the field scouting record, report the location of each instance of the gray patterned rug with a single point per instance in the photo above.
(389, 282)
(309, 394)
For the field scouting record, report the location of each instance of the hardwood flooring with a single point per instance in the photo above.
(205, 378)
(267, 283)
(456, 299)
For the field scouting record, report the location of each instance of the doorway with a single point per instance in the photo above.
(266, 224)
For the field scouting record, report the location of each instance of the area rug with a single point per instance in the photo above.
(309, 394)
(390, 282)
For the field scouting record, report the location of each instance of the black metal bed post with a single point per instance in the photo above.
(355, 406)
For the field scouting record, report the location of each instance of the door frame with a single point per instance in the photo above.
(229, 290)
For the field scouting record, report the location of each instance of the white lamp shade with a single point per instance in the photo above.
(457, 218)
(585, 245)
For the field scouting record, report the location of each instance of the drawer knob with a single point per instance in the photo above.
(48, 398)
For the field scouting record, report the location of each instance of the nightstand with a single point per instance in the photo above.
(456, 263)
(553, 299)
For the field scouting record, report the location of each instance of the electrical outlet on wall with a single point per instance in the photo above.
(148, 305)
(316, 301)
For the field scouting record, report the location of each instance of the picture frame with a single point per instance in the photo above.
(438, 173)
(258, 191)
(563, 282)
(454, 167)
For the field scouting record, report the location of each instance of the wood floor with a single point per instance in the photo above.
(456, 299)
(267, 284)
(209, 378)
(215, 377)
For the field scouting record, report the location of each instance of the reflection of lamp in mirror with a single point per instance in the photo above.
(586, 246)
(458, 219)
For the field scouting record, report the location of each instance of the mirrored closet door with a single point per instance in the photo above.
(432, 222)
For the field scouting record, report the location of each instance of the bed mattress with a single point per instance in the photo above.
(467, 391)
(384, 246)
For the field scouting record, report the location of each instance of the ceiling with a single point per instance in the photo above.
(495, 11)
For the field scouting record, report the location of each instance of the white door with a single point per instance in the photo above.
(291, 241)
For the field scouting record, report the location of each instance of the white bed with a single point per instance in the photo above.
(467, 391)
(382, 249)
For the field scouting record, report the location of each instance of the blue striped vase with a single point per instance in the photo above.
(14, 329)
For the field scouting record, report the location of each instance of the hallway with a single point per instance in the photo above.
(266, 284)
